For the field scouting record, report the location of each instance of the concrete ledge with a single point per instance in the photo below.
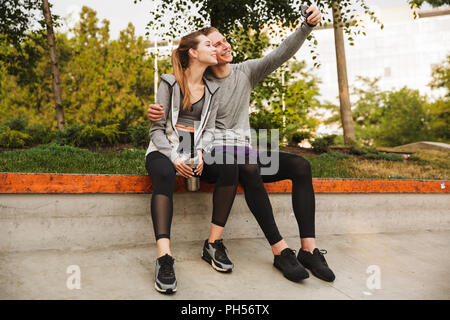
(84, 221)
(82, 211)
(96, 183)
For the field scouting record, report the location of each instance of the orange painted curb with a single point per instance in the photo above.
(100, 183)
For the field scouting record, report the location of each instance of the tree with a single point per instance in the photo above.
(300, 92)
(441, 76)
(28, 90)
(416, 4)
(20, 20)
(228, 15)
(54, 63)
(346, 111)
(391, 118)
(439, 111)
(434, 3)
(438, 119)
(367, 109)
(105, 81)
(16, 17)
(403, 119)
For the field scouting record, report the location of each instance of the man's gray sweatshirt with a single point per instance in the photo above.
(232, 121)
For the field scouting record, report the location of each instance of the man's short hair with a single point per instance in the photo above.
(207, 30)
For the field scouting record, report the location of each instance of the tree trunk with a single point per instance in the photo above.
(54, 62)
(346, 112)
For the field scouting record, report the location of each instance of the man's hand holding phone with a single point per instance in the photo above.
(311, 14)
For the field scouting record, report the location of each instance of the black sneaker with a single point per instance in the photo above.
(316, 263)
(288, 264)
(165, 280)
(215, 254)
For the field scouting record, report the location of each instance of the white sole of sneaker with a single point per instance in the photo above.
(165, 291)
(218, 268)
(215, 267)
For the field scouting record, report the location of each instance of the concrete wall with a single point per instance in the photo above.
(76, 221)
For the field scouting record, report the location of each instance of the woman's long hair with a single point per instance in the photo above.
(180, 61)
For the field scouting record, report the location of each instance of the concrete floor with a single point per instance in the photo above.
(413, 265)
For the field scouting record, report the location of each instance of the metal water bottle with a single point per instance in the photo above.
(193, 182)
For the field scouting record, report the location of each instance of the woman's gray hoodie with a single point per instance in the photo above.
(164, 136)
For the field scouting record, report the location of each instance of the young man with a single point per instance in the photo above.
(236, 82)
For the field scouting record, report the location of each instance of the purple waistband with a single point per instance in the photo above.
(237, 150)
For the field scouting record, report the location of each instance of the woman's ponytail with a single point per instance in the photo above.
(180, 77)
(180, 62)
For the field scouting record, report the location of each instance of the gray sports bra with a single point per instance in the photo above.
(186, 117)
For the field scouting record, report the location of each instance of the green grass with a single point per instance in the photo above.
(330, 165)
(53, 158)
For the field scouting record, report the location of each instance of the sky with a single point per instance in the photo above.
(121, 12)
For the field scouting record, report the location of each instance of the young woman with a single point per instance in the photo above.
(185, 131)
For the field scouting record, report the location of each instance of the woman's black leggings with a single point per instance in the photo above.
(162, 172)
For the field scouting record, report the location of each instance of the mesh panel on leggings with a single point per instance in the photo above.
(224, 193)
(225, 175)
(162, 213)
